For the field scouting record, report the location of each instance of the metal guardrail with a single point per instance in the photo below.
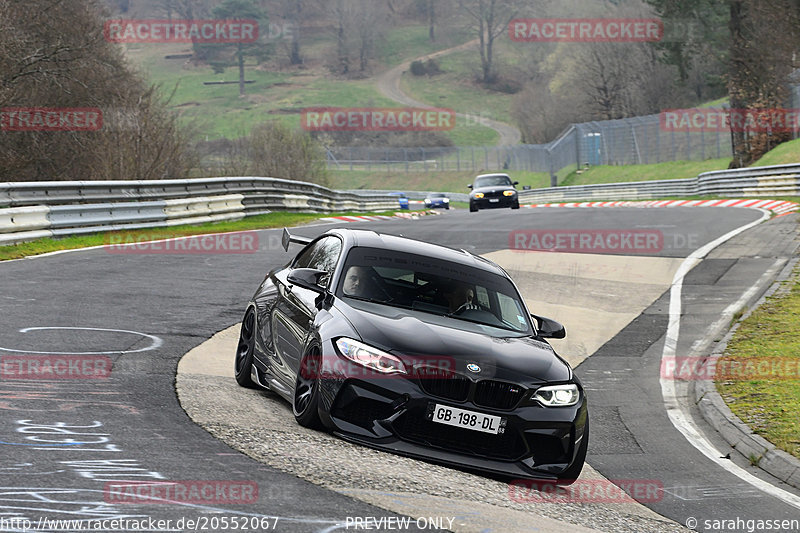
(782, 180)
(32, 210)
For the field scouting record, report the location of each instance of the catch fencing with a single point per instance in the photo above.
(630, 141)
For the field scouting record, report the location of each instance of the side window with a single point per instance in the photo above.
(304, 258)
(326, 254)
(482, 296)
(511, 313)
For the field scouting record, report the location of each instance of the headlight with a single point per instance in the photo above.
(479, 195)
(446, 200)
(509, 193)
(557, 395)
(370, 357)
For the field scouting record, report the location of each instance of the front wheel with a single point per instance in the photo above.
(473, 208)
(244, 351)
(306, 391)
(515, 206)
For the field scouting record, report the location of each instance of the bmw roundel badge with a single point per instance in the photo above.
(472, 367)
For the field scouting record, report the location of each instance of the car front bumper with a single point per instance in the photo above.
(491, 203)
(391, 413)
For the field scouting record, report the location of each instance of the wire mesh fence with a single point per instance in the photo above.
(630, 141)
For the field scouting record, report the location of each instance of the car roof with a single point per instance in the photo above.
(493, 176)
(373, 239)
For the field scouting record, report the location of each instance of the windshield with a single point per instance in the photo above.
(490, 181)
(436, 195)
(433, 286)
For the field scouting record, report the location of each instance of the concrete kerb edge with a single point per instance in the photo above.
(736, 433)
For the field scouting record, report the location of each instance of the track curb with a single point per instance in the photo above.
(777, 207)
(736, 433)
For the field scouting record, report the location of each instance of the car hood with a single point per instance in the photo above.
(417, 338)
(493, 188)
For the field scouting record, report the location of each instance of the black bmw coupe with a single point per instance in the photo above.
(417, 349)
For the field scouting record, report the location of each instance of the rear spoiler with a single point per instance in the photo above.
(288, 239)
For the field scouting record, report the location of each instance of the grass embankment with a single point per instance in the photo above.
(271, 220)
(656, 171)
(456, 88)
(769, 405)
(786, 153)
(424, 181)
(280, 94)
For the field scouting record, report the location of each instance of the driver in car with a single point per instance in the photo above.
(460, 297)
(356, 281)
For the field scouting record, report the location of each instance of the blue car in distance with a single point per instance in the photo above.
(402, 199)
(437, 199)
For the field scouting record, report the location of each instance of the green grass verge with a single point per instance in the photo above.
(656, 171)
(408, 42)
(271, 220)
(783, 154)
(771, 407)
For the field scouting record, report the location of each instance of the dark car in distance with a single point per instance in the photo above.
(415, 349)
(493, 190)
(437, 199)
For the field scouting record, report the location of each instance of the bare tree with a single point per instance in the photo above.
(54, 55)
(489, 19)
(358, 23)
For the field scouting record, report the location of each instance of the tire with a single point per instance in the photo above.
(244, 351)
(305, 404)
(473, 208)
(569, 475)
(515, 206)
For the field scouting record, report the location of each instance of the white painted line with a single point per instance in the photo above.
(679, 417)
(155, 342)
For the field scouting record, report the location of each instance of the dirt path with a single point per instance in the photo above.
(388, 84)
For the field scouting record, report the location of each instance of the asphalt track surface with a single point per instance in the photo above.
(64, 441)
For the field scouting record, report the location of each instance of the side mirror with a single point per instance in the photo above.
(549, 328)
(308, 278)
(469, 186)
(515, 183)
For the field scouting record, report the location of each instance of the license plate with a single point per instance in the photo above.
(494, 200)
(461, 418)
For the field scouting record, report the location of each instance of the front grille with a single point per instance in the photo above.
(413, 426)
(498, 394)
(443, 383)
